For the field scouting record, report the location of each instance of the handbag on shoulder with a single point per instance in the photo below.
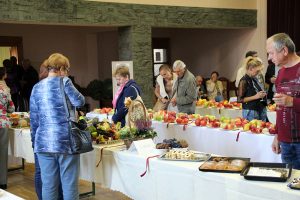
(80, 140)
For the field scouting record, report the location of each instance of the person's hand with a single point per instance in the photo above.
(164, 101)
(260, 94)
(275, 145)
(283, 100)
(273, 79)
(173, 101)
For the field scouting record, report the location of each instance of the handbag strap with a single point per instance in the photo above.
(62, 89)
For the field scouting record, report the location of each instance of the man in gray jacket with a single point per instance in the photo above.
(184, 94)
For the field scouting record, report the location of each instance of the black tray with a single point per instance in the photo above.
(291, 185)
(247, 160)
(270, 166)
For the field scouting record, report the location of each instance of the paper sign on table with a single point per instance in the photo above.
(143, 147)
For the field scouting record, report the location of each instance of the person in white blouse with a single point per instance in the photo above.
(164, 87)
(214, 88)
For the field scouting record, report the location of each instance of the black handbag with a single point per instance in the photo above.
(80, 140)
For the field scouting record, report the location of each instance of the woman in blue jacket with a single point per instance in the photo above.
(127, 88)
(50, 131)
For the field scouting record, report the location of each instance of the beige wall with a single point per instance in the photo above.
(207, 50)
(239, 4)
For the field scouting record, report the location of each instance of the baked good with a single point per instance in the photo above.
(222, 165)
(238, 162)
(209, 165)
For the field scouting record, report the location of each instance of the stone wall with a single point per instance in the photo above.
(137, 20)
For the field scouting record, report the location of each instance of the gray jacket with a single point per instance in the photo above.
(186, 94)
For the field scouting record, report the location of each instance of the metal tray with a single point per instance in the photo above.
(247, 160)
(292, 184)
(198, 157)
(268, 166)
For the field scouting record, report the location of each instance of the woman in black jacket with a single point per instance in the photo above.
(250, 94)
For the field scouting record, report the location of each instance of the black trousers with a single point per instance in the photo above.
(3, 155)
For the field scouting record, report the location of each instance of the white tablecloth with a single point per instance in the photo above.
(220, 142)
(20, 147)
(172, 180)
(19, 144)
(4, 195)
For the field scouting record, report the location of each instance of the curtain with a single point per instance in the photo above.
(4, 54)
(284, 16)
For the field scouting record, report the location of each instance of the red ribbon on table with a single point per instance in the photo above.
(238, 136)
(184, 127)
(147, 165)
(101, 153)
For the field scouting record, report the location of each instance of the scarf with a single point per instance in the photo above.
(120, 89)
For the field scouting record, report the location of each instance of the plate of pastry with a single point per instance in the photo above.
(224, 164)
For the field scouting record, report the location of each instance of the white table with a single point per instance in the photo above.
(172, 180)
(4, 195)
(220, 142)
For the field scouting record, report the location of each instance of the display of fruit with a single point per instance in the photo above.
(172, 143)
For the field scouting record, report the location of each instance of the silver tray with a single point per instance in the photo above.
(199, 157)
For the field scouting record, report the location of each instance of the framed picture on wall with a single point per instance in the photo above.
(160, 55)
(115, 65)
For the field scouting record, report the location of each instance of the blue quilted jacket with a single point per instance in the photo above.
(48, 118)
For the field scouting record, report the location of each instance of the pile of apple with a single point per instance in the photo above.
(213, 104)
(258, 126)
(170, 117)
(103, 110)
(182, 118)
(208, 120)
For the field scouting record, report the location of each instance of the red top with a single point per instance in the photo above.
(288, 118)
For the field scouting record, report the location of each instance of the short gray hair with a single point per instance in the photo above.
(281, 40)
(179, 64)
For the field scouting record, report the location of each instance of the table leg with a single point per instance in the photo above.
(86, 194)
(18, 168)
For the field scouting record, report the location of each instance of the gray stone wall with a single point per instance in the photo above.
(135, 22)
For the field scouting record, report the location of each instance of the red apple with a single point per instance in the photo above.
(203, 122)
(185, 121)
(179, 121)
(197, 122)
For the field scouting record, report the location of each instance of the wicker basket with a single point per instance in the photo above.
(136, 110)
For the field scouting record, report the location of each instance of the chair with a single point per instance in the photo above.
(225, 83)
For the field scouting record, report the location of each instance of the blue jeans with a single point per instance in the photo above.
(254, 114)
(38, 181)
(59, 169)
(290, 153)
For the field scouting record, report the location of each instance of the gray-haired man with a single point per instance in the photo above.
(185, 89)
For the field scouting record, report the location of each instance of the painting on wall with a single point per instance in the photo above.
(115, 65)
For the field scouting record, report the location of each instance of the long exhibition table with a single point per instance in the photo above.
(220, 142)
(120, 170)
